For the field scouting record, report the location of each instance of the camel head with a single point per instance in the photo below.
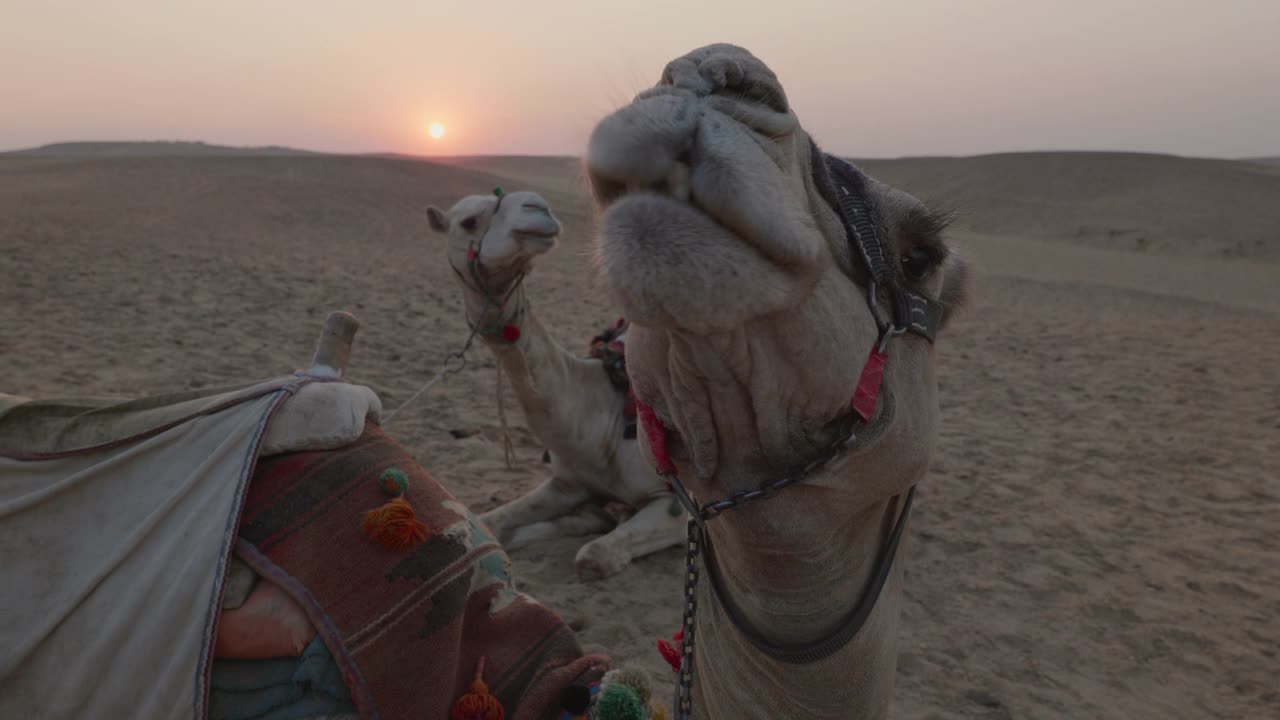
(749, 310)
(503, 233)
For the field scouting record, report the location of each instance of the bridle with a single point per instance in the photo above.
(844, 187)
(502, 329)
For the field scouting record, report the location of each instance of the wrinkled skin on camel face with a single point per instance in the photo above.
(508, 236)
(750, 319)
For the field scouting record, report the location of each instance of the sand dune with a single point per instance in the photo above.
(1130, 201)
(1097, 538)
(153, 148)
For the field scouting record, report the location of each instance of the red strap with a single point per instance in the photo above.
(657, 435)
(863, 403)
(864, 397)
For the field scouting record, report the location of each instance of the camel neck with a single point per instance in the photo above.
(537, 366)
(796, 582)
(497, 315)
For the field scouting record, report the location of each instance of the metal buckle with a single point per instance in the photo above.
(887, 334)
(682, 494)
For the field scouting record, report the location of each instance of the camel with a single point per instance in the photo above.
(768, 283)
(569, 402)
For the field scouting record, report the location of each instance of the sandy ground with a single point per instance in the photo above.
(1098, 537)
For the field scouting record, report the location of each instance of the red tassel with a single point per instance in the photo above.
(657, 435)
(478, 704)
(671, 652)
(394, 525)
(510, 333)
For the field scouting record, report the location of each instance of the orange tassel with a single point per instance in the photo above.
(394, 525)
(478, 704)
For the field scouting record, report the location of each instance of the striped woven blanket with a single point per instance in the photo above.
(407, 627)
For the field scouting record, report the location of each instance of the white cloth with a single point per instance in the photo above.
(115, 538)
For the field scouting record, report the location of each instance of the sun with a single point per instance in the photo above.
(436, 130)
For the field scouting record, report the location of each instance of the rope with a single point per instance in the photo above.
(445, 371)
(507, 449)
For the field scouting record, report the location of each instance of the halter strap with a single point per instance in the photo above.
(912, 312)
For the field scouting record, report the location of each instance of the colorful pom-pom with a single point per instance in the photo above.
(633, 677)
(394, 482)
(477, 703)
(510, 333)
(394, 525)
(619, 702)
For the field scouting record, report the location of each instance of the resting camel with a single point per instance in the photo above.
(569, 402)
(768, 284)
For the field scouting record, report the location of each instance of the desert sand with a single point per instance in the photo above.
(1098, 537)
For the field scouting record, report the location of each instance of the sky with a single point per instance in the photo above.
(867, 78)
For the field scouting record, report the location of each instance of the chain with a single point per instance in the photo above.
(684, 696)
(695, 541)
(773, 487)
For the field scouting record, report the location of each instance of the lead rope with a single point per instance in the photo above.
(459, 355)
(507, 449)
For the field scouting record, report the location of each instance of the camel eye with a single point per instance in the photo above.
(469, 224)
(917, 263)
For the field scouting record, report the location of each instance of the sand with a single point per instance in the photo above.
(1098, 537)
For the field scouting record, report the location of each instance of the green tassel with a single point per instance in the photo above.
(619, 702)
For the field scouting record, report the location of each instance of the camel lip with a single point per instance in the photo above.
(544, 236)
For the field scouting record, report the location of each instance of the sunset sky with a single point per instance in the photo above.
(870, 79)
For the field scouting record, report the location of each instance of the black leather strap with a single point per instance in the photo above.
(912, 312)
(850, 625)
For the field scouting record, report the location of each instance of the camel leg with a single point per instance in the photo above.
(651, 529)
(588, 519)
(548, 501)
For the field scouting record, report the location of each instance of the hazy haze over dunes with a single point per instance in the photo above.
(868, 79)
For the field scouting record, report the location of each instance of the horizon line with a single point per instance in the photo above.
(429, 157)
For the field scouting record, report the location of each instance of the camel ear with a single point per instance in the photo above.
(957, 285)
(437, 220)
